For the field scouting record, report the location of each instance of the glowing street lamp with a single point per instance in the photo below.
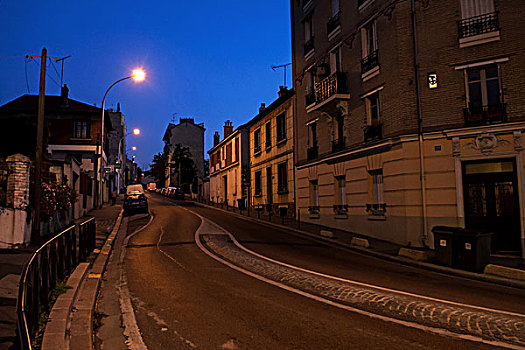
(136, 131)
(138, 75)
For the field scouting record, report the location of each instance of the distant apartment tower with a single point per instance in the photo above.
(409, 115)
(187, 134)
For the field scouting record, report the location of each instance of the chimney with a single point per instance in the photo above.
(64, 93)
(216, 138)
(118, 107)
(282, 90)
(228, 128)
(262, 108)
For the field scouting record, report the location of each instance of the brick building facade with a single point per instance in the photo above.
(389, 153)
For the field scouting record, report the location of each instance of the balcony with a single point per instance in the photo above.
(485, 115)
(338, 144)
(312, 153)
(330, 89)
(478, 25)
(308, 46)
(333, 23)
(369, 62)
(373, 132)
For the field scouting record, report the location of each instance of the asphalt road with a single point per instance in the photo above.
(185, 299)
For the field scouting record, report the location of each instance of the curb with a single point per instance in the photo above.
(495, 275)
(72, 327)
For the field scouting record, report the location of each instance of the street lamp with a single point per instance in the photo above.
(138, 75)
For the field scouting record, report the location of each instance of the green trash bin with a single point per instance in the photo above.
(473, 249)
(444, 245)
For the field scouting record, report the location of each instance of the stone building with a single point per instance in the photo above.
(229, 159)
(271, 156)
(187, 134)
(116, 150)
(410, 115)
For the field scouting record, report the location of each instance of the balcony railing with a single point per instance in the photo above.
(333, 23)
(338, 144)
(486, 114)
(369, 62)
(329, 86)
(373, 132)
(312, 152)
(308, 46)
(486, 23)
(314, 209)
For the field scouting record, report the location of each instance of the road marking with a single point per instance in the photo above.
(166, 254)
(439, 331)
(129, 322)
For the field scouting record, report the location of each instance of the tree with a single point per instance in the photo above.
(183, 166)
(158, 169)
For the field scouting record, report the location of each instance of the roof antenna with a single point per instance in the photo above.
(62, 73)
(283, 66)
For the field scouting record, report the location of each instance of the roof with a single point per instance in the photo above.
(53, 104)
(279, 101)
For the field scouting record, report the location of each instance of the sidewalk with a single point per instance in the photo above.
(506, 270)
(12, 263)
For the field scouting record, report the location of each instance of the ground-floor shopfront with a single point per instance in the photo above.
(473, 178)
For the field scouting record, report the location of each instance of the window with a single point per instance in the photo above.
(483, 87)
(368, 47)
(282, 178)
(335, 7)
(335, 60)
(308, 36)
(281, 127)
(314, 197)
(340, 206)
(312, 140)
(257, 141)
(341, 189)
(372, 109)
(377, 205)
(473, 8)
(268, 135)
(483, 90)
(81, 129)
(257, 186)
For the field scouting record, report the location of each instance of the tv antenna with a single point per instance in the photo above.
(173, 117)
(283, 66)
(62, 73)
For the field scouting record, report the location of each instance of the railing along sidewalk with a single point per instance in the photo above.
(49, 264)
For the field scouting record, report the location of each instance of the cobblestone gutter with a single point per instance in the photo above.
(488, 325)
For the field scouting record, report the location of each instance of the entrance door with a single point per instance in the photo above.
(492, 202)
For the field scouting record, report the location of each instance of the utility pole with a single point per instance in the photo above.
(35, 236)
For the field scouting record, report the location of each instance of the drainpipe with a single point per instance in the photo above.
(424, 236)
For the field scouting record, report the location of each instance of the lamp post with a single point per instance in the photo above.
(138, 75)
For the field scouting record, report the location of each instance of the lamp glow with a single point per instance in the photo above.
(136, 131)
(133, 148)
(139, 75)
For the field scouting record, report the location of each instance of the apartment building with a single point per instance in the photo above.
(410, 115)
(229, 158)
(271, 156)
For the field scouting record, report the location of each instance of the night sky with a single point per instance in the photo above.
(210, 60)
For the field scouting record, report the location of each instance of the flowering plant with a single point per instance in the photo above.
(47, 200)
(55, 197)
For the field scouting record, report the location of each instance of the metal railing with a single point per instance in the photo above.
(308, 46)
(369, 62)
(496, 113)
(477, 25)
(329, 86)
(51, 263)
(338, 144)
(373, 132)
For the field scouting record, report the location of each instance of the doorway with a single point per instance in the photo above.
(491, 198)
(269, 190)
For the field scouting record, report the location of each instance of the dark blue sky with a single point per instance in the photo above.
(207, 59)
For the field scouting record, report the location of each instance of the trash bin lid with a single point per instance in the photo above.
(444, 229)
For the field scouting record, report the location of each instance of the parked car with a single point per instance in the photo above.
(135, 199)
